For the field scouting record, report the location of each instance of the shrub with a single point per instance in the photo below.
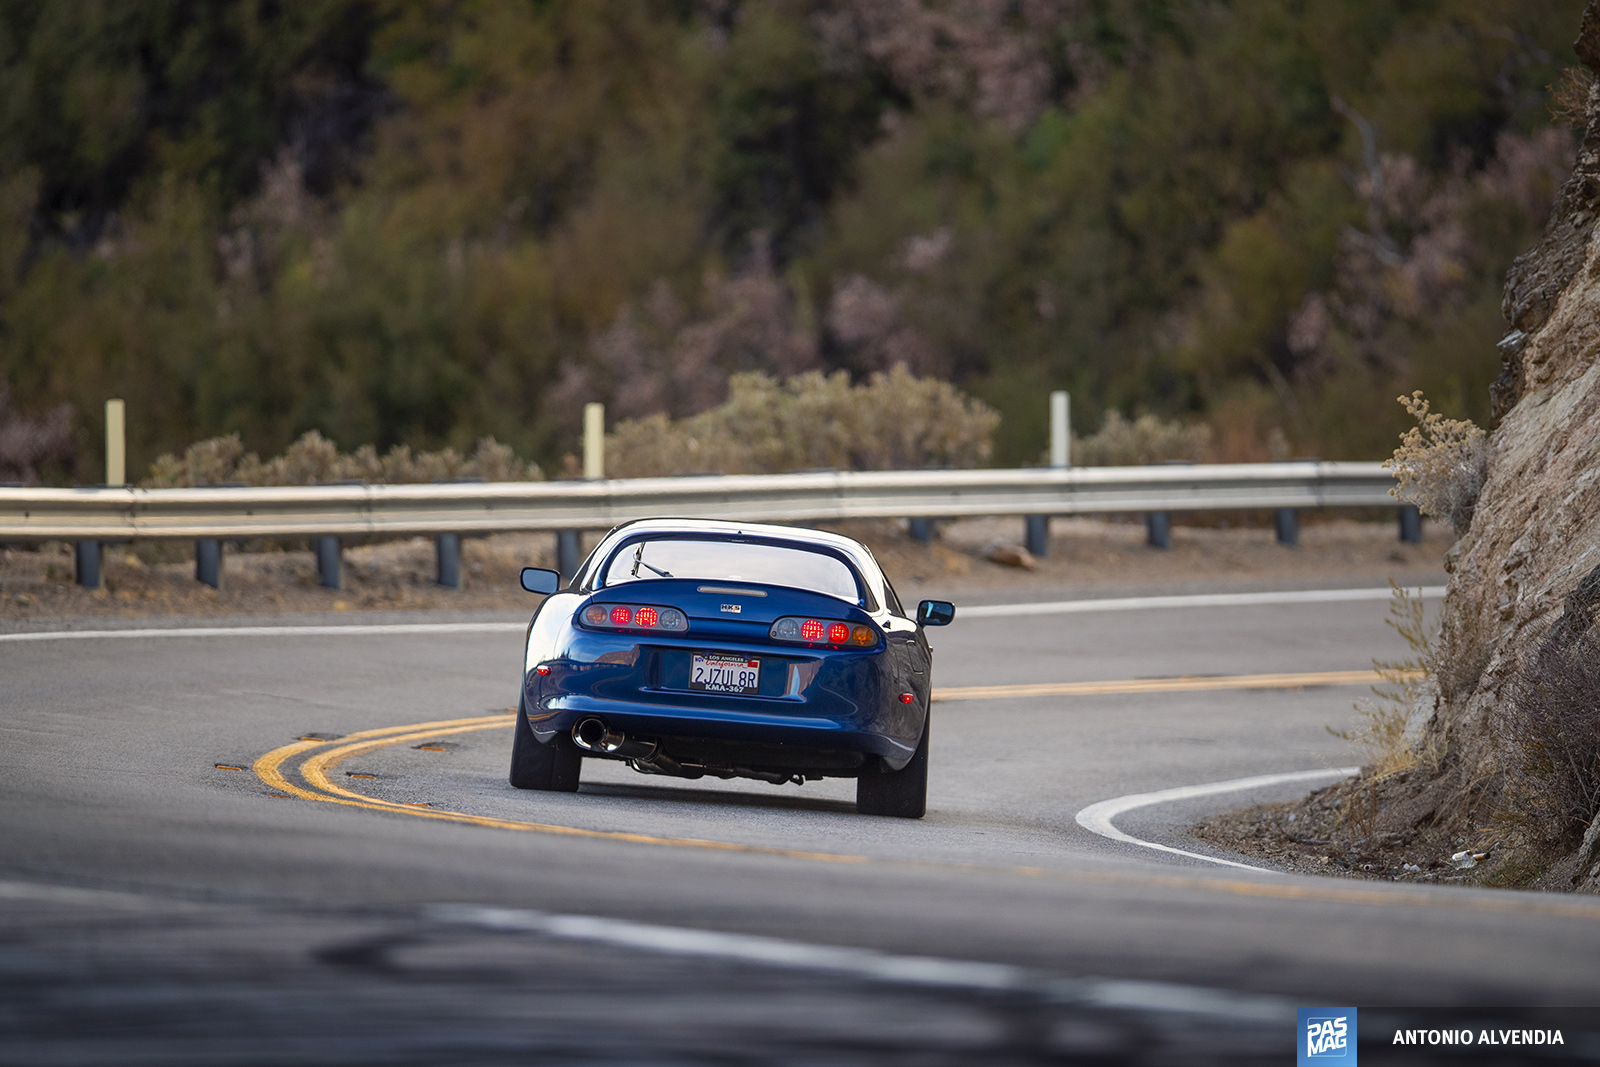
(1440, 465)
(892, 421)
(1552, 728)
(1123, 442)
(28, 444)
(313, 460)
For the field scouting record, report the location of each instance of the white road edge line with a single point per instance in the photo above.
(981, 611)
(1096, 818)
(871, 964)
(1197, 600)
(352, 630)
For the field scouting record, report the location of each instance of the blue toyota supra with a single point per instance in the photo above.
(691, 647)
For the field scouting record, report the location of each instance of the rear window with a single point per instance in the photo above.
(734, 561)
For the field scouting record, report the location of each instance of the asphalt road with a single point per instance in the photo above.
(156, 907)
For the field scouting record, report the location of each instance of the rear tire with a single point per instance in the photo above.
(902, 794)
(553, 767)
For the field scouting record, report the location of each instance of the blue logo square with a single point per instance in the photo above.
(1325, 1037)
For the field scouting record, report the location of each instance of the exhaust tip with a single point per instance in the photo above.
(593, 735)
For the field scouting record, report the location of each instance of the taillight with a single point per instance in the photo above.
(799, 630)
(637, 617)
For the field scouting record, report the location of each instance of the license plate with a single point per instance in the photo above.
(725, 674)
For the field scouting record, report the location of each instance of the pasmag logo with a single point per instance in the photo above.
(1326, 1037)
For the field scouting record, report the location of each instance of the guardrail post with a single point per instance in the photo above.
(920, 529)
(208, 562)
(447, 547)
(1410, 524)
(116, 443)
(86, 564)
(569, 554)
(1038, 535)
(1158, 529)
(1286, 521)
(328, 561)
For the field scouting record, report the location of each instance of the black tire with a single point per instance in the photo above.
(552, 767)
(902, 794)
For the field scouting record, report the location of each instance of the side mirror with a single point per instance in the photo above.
(935, 613)
(539, 580)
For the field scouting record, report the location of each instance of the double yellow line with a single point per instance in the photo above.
(305, 768)
(314, 761)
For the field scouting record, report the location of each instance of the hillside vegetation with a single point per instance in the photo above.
(426, 222)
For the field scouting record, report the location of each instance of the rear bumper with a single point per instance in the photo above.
(848, 733)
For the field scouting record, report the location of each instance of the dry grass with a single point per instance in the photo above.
(1551, 726)
(1388, 713)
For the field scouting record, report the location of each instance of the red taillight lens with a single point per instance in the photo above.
(655, 618)
(542, 669)
(799, 630)
(905, 698)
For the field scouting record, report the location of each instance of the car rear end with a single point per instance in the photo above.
(724, 677)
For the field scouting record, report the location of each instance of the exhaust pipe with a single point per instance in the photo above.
(595, 737)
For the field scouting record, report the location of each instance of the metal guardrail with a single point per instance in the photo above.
(327, 513)
(354, 510)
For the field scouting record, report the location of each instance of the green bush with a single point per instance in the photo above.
(892, 421)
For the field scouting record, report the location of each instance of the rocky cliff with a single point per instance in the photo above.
(1518, 626)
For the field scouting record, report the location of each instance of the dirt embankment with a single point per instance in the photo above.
(1500, 754)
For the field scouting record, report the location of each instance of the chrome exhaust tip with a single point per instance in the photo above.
(593, 735)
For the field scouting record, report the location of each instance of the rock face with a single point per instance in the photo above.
(1527, 572)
